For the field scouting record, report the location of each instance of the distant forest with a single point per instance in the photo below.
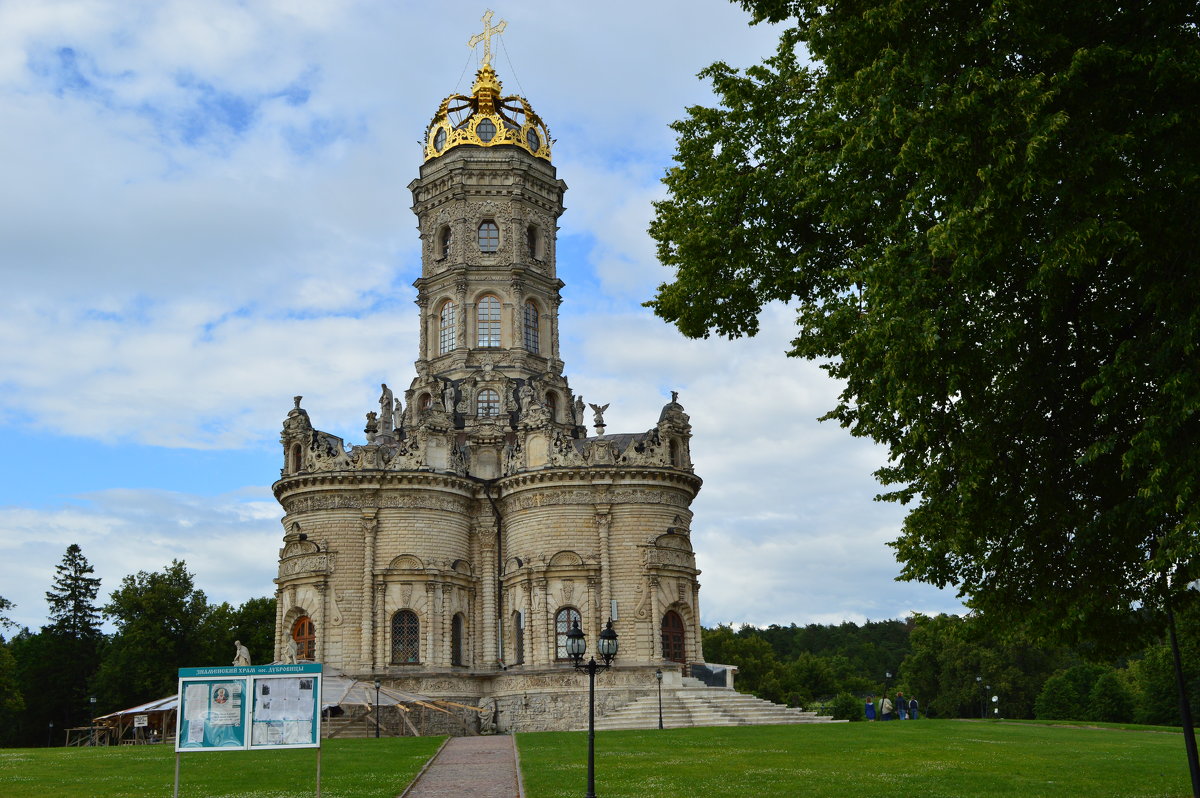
(955, 665)
(69, 671)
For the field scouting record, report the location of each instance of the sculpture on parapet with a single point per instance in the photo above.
(599, 419)
(241, 653)
(386, 419)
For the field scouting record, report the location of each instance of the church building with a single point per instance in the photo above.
(450, 553)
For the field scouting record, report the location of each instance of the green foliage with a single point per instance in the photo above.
(163, 623)
(1109, 700)
(72, 597)
(995, 257)
(5, 606)
(1158, 696)
(12, 702)
(1059, 700)
(847, 707)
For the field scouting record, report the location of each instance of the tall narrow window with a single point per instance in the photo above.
(489, 236)
(531, 241)
(447, 329)
(456, 640)
(488, 403)
(443, 247)
(552, 405)
(531, 327)
(672, 637)
(487, 316)
(297, 459)
(305, 635)
(562, 624)
(518, 638)
(406, 638)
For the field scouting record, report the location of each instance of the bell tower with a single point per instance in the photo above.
(487, 203)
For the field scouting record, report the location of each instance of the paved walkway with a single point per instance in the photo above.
(474, 767)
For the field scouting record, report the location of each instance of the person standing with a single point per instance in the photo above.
(912, 709)
(885, 707)
(870, 708)
(901, 706)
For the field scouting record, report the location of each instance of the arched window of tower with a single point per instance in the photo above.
(489, 236)
(447, 328)
(562, 624)
(488, 403)
(487, 322)
(518, 638)
(406, 638)
(531, 327)
(425, 402)
(552, 405)
(296, 459)
(443, 244)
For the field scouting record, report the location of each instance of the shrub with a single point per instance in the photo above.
(847, 707)
(1058, 700)
(1110, 700)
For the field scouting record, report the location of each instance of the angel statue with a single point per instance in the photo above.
(599, 417)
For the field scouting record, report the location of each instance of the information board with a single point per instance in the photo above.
(243, 707)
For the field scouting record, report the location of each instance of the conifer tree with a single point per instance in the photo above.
(72, 611)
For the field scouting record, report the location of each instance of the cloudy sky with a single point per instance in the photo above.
(204, 213)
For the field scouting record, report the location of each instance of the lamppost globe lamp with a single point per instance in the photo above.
(608, 644)
(576, 644)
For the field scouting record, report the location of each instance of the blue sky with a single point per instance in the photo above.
(206, 213)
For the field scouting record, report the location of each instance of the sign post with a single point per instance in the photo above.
(240, 708)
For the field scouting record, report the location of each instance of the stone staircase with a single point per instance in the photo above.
(695, 704)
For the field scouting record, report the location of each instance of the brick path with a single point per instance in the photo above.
(474, 767)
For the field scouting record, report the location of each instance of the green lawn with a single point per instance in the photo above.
(349, 769)
(929, 758)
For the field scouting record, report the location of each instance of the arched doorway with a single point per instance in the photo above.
(672, 637)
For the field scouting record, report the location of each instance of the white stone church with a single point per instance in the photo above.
(450, 553)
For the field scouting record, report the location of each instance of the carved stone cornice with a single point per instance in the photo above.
(371, 479)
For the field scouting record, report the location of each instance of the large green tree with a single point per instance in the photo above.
(985, 215)
(163, 622)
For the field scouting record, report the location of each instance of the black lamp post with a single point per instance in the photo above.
(658, 676)
(576, 648)
(982, 697)
(50, 735)
(378, 684)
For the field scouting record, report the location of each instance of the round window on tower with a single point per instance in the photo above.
(533, 140)
(486, 130)
(439, 139)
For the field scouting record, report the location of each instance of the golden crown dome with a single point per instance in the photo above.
(486, 119)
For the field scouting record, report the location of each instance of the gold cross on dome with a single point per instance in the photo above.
(486, 36)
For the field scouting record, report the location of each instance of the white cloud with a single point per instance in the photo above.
(212, 216)
(222, 538)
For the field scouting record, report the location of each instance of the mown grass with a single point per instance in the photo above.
(349, 769)
(930, 758)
